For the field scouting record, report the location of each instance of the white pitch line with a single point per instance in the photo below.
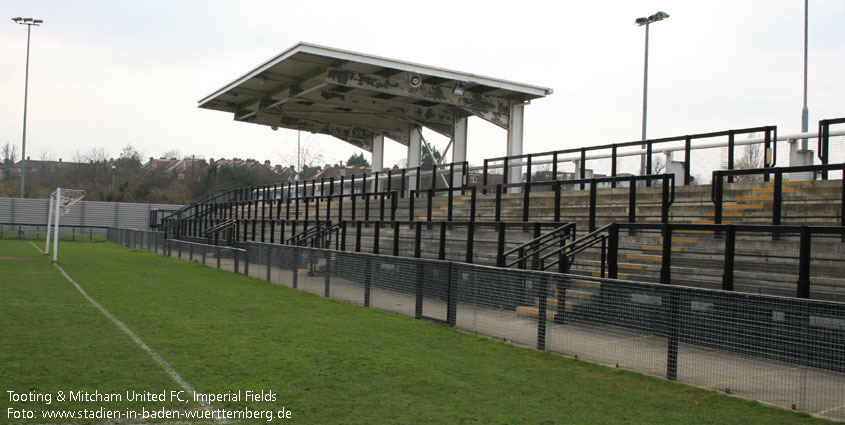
(163, 363)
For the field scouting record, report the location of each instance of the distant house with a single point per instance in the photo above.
(337, 171)
(184, 169)
(39, 166)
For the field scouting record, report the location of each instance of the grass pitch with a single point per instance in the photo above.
(327, 362)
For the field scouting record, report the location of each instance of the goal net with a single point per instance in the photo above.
(60, 202)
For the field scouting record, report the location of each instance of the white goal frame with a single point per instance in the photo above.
(61, 200)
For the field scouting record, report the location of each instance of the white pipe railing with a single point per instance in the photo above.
(656, 149)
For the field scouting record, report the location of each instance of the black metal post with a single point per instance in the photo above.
(418, 307)
(717, 196)
(368, 280)
(804, 264)
(582, 175)
(664, 200)
(484, 179)
(666, 266)
(417, 239)
(542, 302)
(777, 198)
(395, 238)
(376, 238)
(449, 199)
(474, 191)
(730, 155)
(328, 273)
(500, 244)
(593, 201)
(470, 241)
(411, 196)
(526, 200)
(441, 253)
(613, 251)
(498, 202)
(343, 235)
(674, 335)
(730, 249)
(632, 200)
(452, 298)
(430, 200)
(357, 236)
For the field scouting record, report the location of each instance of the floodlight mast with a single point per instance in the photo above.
(646, 21)
(29, 22)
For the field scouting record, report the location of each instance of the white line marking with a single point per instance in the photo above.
(163, 363)
(37, 248)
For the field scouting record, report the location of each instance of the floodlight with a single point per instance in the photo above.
(658, 16)
(27, 19)
(38, 21)
(460, 88)
(18, 19)
(641, 21)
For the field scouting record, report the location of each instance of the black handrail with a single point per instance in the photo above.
(537, 245)
(569, 250)
(300, 238)
(218, 228)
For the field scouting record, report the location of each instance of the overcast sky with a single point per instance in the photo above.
(110, 73)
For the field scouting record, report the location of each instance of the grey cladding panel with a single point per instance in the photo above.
(84, 213)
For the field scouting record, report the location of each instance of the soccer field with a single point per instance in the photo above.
(142, 331)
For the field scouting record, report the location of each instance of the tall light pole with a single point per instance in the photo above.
(805, 112)
(29, 22)
(659, 16)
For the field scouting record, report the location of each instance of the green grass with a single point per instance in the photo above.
(327, 361)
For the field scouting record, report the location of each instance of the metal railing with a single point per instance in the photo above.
(717, 189)
(779, 350)
(537, 249)
(39, 232)
(554, 157)
(778, 256)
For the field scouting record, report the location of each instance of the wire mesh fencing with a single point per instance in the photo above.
(783, 351)
(39, 232)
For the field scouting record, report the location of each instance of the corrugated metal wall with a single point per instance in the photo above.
(84, 213)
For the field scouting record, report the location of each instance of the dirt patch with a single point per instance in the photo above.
(9, 258)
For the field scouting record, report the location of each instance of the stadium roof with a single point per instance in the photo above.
(354, 96)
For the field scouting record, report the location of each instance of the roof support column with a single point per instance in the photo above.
(414, 152)
(515, 122)
(378, 156)
(459, 147)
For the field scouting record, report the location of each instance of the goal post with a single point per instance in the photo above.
(60, 202)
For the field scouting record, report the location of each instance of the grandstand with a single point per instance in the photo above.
(719, 266)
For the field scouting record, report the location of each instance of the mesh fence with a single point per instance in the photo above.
(39, 232)
(784, 351)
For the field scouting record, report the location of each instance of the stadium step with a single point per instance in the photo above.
(660, 248)
(791, 183)
(770, 190)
